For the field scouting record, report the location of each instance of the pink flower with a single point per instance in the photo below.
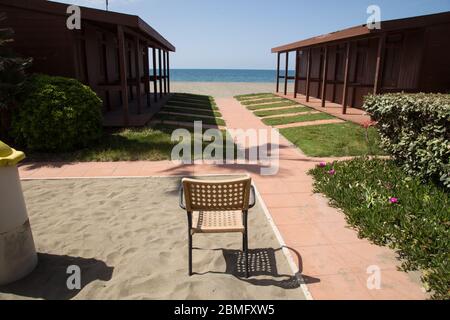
(393, 200)
(322, 164)
(332, 172)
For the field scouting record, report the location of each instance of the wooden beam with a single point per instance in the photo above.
(160, 74)
(146, 66)
(106, 74)
(123, 73)
(168, 72)
(286, 73)
(308, 74)
(137, 58)
(278, 71)
(379, 66)
(346, 74)
(324, 76)
(164, 72)
(297, 57)
(155, 77)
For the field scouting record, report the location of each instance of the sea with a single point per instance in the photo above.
(224, 75)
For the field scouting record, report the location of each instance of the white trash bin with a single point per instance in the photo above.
(17, 252)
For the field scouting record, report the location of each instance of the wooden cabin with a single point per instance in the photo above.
(405, 55)
(111, 52)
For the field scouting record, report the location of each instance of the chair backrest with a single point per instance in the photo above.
(217, 195)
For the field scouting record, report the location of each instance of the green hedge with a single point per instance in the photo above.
(415, 130)
(57, 114)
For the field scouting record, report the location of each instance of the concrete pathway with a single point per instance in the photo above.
(329, 255)
(333, 260)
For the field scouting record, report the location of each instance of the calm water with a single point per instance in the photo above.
(223, 75)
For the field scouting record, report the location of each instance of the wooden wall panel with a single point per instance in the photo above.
(435, 71)
(43, 37)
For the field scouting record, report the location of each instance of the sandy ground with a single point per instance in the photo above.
(225, 89)
(129, 237)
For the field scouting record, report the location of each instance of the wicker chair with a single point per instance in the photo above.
(219, 206)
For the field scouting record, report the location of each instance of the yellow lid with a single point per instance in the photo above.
(8, 156)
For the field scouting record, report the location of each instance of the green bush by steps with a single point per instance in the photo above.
(57, 114)
(415, 130)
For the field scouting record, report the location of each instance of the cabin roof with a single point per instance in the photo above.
(96, 15)
(362, 30)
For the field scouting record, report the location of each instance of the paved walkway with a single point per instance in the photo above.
(331, 258)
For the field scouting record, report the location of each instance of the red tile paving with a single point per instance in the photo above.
(331, 258)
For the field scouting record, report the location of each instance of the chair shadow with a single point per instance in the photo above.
(48, 280)
(262, 262)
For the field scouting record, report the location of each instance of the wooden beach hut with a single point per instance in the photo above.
(111, 52)
(409, 55)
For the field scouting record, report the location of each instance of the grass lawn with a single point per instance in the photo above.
(253, 96)
(180, 118)
(192, 111)
(187, 104)
(393, 209)
(193, 96)
(260, 101)
(191, 104)
(122, 145)
(286, 103)
(334, 140)
(149, 144)
(297, 118)
(266, 113)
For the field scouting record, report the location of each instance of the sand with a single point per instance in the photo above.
(225, 89)
(129, 237)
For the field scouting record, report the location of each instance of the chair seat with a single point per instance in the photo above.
(217, 221)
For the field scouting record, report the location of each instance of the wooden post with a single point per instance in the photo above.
(297, 57)
(346, 73)
(286, 73)
(138, 74)
(278, 72)
(155, 76)
(324, 77)
(160, 73)
(379, 68)
(123, 73)
(146, 66)
(164, 72)
(168, 72)
(308, 74)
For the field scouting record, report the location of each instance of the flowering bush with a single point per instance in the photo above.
(415, 130)
(391, 208)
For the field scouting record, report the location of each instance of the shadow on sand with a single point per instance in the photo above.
(262, 262)
(48, 280)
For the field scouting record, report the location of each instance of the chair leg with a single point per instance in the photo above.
(190, 254)
(246, 254)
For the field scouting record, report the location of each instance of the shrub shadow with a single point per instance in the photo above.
(48, 280)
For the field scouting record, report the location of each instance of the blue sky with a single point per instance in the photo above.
(238, 34)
